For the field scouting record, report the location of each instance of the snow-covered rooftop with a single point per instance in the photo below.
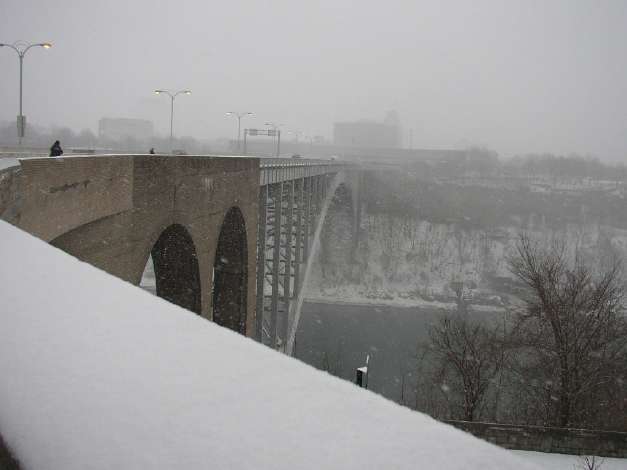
(98, 374)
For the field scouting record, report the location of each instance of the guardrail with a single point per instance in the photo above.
(276, 170)
(272, 170)
(549, 439)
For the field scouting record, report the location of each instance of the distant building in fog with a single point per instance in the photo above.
(123, 128)
(369, 134)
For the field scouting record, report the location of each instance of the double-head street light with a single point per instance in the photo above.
(21, 48)
(273, 125)
(239, 117)
(172, 95)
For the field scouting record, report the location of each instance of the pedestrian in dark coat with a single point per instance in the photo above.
(56, 150)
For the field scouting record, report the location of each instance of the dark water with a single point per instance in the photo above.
(337, 337)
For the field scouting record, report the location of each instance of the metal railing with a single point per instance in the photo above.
(276, 170)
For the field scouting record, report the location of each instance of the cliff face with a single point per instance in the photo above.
(416, 252)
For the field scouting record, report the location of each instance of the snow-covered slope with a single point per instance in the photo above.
(98, 374)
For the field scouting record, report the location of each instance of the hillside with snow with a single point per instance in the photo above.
(417, 238)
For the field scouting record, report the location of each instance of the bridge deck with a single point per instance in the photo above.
(276, 170)
(273, 170)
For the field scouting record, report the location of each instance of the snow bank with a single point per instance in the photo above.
(7, 162)
(98, 374)
(570, 462)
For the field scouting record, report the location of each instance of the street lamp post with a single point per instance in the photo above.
(275, 127)
(172, 97)
(239, 117)
(21, 48)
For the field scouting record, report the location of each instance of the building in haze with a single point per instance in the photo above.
(123, 128)
(369, 134)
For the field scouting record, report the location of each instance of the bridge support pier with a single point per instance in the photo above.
(288, 269)
(298, 251)
(276, 192)
(261, 259)
(289, 207)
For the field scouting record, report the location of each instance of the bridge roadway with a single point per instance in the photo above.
(229, 236)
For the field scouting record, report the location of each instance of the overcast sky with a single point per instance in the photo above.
(516, 76)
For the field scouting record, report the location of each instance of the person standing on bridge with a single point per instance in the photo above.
(56, 150)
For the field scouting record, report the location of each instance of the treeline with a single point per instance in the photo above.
(487, 206)
(40, 137)
(559, 359)
(472, 161)
(480, 162)
(572, 166)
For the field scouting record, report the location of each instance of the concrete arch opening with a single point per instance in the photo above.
(230, 273)
(176, 273)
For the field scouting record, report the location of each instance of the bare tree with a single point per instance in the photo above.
(429, 396)
(589, 462)
(7, 460)
(472, 353)
(332, 362)
(572, 333)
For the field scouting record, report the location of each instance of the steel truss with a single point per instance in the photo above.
(291, 198)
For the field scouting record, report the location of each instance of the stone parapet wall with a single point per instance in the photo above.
(549, 439)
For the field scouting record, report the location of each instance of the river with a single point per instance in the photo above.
(337, 337)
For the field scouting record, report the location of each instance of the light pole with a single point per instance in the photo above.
(172, 96)
(21, 48)
(239, 117)
(275, 126)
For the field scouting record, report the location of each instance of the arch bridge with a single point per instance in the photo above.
(231, 238)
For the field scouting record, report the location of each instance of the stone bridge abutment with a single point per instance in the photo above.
(115, 211)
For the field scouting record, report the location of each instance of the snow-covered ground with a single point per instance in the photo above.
(570, 462)
(6, 162)
(98, 374)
